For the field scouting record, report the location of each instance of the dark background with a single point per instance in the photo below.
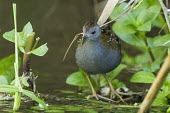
(55, 22)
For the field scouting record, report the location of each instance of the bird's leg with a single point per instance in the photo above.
(94, 94)
(112, 90)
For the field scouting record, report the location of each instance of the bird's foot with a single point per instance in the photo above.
(113, 92)
(94, 95)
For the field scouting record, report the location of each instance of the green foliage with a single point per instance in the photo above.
(40, 51)
(7, 69)
(111, 75)
(77, 79)
(9, 66)
(160, 100)
(143, 77)
(22, 38)
(133, 29)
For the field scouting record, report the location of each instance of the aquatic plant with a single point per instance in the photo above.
(24, 41)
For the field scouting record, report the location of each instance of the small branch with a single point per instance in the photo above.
(165, 13)
(151, 55)
(163, 72)
(107, 11)
(123, 14)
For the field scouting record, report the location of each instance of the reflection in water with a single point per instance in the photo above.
(55, 22)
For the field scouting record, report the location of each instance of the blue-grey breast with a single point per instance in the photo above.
(98, 52)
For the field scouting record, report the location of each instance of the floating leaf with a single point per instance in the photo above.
(143, 77)
(40, 51)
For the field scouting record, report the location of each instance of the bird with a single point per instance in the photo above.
(98, 52)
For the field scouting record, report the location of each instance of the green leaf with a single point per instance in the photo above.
(32, 95)
(159, 41)
(160, 100)
(102, 81)
(145, 27)
(116, 71)
(153, 12)
(142, 59)
(148, 14)
(77, 79)
(3, 80)
(117, 10)
(24, 81)
(10, 36)
(23, 35)
(7, 67)
(8, 88)
(168, 110)
(122, 30)
(143, 77)
(151, 67)
(117, 84)
(40, 51)
(141, 17)
(162, 41)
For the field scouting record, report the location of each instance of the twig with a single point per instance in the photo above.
(165, 13)
(123, 14)
(155, 86)
(107, 11)
(75, 38)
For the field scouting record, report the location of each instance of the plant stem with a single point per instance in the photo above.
(17, 98)
(151, 55)
(149, 51)
(26, 57)
(163, 72)
(36, 42)
(165, 13)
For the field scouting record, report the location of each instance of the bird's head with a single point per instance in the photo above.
(91, 31)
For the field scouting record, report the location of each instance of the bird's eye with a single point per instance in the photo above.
(93, 32)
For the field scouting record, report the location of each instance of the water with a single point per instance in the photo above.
(76, 104)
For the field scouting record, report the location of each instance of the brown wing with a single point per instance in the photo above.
(108, 38)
